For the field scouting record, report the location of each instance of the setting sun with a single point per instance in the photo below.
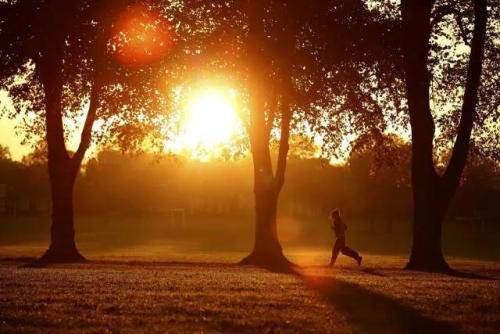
(209, 121)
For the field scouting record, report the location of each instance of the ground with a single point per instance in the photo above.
(211, 294)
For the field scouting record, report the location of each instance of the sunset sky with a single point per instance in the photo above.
(8, 136)
(208, 120)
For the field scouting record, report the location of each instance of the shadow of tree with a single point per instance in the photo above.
(458, 274)
(18, 259)
(372, 312)
(369, 271)
(467, 275)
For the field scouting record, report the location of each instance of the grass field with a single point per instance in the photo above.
(113, 294)
(147, 276)
(151, 237)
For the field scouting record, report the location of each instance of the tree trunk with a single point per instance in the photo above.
(267, 251)
(62, 247)
(430, 202)
(426, 251)
(428, 215)
(431, 192)
(62, 168)
(267, 99)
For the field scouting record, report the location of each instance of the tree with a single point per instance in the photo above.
(380, 167)
(299, 68)
(66, 59)
(479, 191)
(431, 191)
(452, 25)
(322, 59)
(4, 153)
(38, 156)
(46, 51)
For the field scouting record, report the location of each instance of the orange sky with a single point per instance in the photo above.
(7, 134)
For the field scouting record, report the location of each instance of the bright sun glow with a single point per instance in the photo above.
(211, 120)
(208, 122)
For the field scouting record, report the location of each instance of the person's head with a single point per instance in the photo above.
(335, 214)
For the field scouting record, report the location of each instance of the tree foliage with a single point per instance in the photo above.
(106, 99)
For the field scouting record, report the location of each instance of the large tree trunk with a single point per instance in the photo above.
(62, 246)
(62, 167)
(428, 214)
(267, 251)
(432, 192)
(62, 170)
(426, 249)
(267, 99)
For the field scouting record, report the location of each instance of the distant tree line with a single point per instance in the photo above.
(113, 183)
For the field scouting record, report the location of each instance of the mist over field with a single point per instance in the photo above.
(156, 237)
(144, 207)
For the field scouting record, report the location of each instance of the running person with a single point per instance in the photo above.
(339, 228)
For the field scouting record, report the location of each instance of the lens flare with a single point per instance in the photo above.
(141, 36)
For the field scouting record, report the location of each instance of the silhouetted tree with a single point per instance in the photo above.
(65, 53)
(302, 65)
(431, 191)
(452, 26)
(41, 44)
(4, 153)
(479, 191)
(380, 167)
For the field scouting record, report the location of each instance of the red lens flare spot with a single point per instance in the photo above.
(141, 36)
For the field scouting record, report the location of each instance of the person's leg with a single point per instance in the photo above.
(351, 253)
(339, 245)
(336, 250)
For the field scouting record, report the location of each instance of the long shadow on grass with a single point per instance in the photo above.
(125, 263)
(371, 312)
(463, 274)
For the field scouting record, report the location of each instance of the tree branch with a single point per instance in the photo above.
(53, 86)
(286, 117)
(259, 142)
(460, 151)
(463, 32)
(86, 134)
(273, 106)
(417, 30)
(307, 97)
(440, 13)
(448, 9)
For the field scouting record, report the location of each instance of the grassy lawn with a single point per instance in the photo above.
(124, 294)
